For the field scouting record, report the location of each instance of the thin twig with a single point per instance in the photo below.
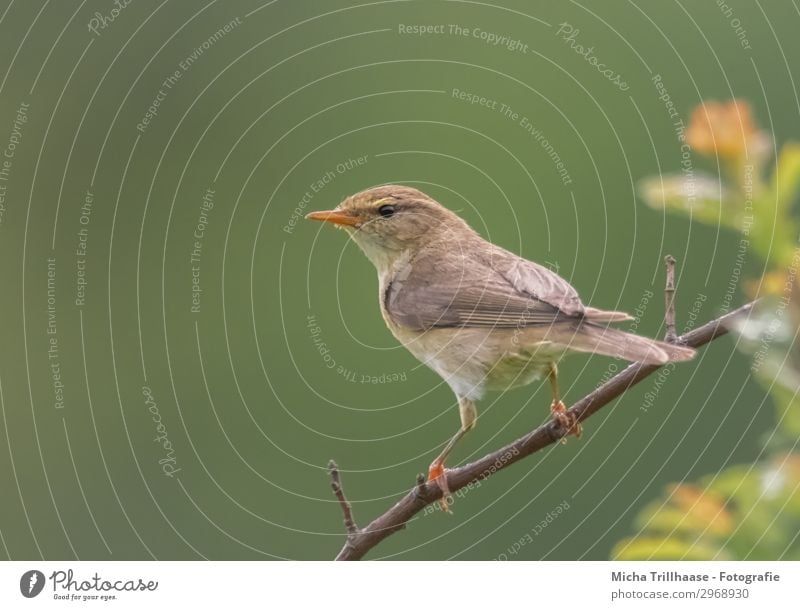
(347, 510)
(425, 493)
(669, 300)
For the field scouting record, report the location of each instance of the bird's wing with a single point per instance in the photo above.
(470, 291)
(538, 282)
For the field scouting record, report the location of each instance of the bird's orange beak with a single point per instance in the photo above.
(338, 218)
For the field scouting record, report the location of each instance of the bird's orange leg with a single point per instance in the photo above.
(437, 471)
(565, 419)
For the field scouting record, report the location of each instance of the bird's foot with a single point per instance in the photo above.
(566, 420)
(438, 474)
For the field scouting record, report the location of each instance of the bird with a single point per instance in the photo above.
(477, 314)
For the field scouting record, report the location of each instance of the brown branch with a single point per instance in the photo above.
(347, 510)
(360, 541)
(669, 299)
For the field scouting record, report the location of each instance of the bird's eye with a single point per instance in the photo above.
(387, 211)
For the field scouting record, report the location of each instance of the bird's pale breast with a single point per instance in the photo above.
(473, 361)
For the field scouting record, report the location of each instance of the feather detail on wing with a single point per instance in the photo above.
(470, 291)
(588, 337)
(539, 282)
(601, 315)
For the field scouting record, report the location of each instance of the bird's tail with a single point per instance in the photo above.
(616, 343)
(602, 315)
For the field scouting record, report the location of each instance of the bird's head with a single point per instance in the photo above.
(391, 222)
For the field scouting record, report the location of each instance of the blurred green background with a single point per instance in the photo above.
(284, 362)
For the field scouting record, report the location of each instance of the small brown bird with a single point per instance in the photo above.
(481, 317)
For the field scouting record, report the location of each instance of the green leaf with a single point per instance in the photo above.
(744, 512)
(701, 196)
(786, 178)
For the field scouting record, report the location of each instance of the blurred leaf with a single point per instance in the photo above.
(727, 129)
(786, 177)
(768, 336)
(702, 509)
(699, 195)
(660, 549)
(744, 512)
(775, 228)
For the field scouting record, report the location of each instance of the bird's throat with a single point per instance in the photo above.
(386, 260)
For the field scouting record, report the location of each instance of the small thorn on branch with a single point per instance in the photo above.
(347, 510)
(419, 490)
(669, 300)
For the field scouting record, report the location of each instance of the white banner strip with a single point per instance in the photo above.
(401, 585)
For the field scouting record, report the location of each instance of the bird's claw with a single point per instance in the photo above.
(438, 474)
(566, 420)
